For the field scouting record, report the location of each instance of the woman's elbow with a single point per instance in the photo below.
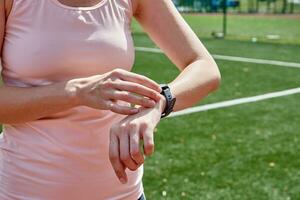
(215, 79)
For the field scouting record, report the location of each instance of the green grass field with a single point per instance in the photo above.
(243, 152)
(248, 151)
(245, 27)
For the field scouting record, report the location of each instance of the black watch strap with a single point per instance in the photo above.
(170, 100)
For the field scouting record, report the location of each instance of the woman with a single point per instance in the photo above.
(69, 131)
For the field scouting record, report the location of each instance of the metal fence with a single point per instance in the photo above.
(239, 6)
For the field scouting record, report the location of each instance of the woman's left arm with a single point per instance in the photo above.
(199, 76)
(199, 73)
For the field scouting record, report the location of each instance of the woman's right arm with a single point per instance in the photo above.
(18, 104)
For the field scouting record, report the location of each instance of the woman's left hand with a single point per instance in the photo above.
(126, 135)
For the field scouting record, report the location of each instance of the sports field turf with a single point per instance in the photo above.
(248, 151)
(245, 27)
(242, 152)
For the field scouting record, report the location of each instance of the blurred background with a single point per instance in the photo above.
(239, 6)
(241, 142)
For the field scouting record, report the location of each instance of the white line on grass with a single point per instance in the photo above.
(234, 58)
(235, 102)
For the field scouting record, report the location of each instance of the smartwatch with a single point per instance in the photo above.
(170, 100)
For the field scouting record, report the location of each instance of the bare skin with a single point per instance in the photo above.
(199, 76)
(100, 91)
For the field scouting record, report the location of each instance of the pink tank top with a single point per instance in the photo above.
(64, 156)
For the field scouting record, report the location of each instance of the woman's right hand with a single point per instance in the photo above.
(102, 91)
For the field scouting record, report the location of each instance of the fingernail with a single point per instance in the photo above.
(152, 102)
(123, 180)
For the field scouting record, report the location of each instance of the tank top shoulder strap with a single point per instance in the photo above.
(19, 7)
(126, 5)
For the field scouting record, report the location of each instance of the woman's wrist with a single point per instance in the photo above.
(71, 90)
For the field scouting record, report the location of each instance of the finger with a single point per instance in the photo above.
(135, 146)
(137, 78)
(114, 158)
(124, 110)
(124, 152)
(148, 139)
(138, 89)
(131, 98)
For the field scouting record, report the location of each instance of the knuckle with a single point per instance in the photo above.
(124, 95)
(108, 83)
(125, 158)
(113, 94)
(116, 72)
(114, 109)
(110, 106)
(135, 153)
(132, 125)
(144, 124)
(123, 126)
